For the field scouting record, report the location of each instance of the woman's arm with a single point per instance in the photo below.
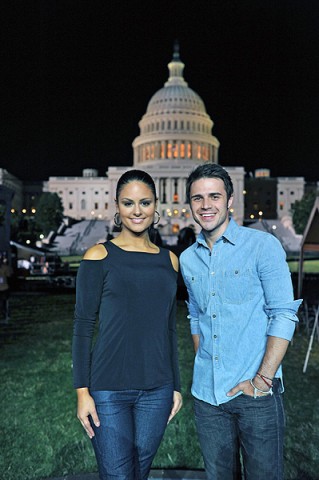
(89, 286)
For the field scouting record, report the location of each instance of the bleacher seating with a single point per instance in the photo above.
(77, 238)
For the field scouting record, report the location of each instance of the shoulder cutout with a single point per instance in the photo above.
(174, 260)
(97, 252)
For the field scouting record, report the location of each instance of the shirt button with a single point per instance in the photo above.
(216, 358)
(213, 294)
(212, 273)
(214, 316)
(215, 336)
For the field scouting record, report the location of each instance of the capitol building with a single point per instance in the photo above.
(175, 136)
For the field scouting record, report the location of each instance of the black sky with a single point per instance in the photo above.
(77, 77)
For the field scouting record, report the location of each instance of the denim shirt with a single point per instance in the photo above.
(239, 293)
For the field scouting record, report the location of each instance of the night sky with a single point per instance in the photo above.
(77, 77)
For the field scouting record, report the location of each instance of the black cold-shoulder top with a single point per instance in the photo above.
(133, 297)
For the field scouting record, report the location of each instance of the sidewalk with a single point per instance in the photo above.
(154, 475)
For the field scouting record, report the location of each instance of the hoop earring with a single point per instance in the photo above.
(158, 218)
(117, 220)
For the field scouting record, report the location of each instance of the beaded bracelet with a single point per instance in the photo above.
(269, 392)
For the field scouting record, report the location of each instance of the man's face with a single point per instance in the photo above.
(209, 205)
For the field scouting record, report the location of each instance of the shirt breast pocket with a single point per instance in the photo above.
(238, 287)
(198, 285)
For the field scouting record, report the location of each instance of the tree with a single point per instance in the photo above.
(301, 210)
(49, 213)
(23, 228)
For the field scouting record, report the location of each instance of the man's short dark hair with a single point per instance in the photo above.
(210, 170)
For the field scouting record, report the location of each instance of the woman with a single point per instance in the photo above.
(128, 388)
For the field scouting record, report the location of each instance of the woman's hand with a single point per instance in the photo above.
(86, 408)
(177, 405)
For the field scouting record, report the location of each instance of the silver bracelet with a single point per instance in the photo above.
(269, 392)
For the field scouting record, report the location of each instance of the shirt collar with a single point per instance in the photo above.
(230, 234)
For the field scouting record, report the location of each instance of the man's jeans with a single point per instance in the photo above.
(132, 426)
(253, 426)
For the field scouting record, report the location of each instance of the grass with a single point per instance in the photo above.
(72, 260)
(40, 435)
(309, 266)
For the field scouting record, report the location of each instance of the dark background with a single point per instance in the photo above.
(77, 77)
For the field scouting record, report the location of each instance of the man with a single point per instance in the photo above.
(242, 317)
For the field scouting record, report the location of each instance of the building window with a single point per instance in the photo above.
(70, 206)
(175, 195)
(175, 149)
(182, 148)
(162, 154)
(96, 206)
(106, 205)
(163, 190)
(205, 152)
(83, 204)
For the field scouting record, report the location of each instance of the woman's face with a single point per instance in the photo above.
(136, 206)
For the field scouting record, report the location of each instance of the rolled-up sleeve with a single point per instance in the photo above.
(280, 306)
(282, 319)
(89, 285)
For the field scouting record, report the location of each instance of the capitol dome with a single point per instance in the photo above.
(176, 126)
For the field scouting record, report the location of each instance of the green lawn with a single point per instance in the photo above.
(309, 266)
(40, 435)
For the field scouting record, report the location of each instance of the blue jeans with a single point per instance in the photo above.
(253, 427)
(132, 426)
